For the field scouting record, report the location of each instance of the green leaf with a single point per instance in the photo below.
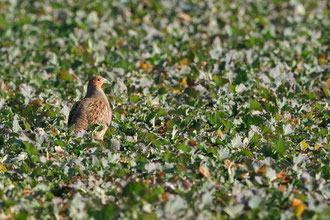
(280, 146)
(27, 126)
(110, 211)
(80, 171)
(219, 81)
(241, 76)
(148, 216)
(30, 149)
(22, 215)
(227, 123)
(66, 76)
(161, 112)
(133, 190)
(50, 195)
(325, 90)
(134, 98)
(184, 148)
(254, 105)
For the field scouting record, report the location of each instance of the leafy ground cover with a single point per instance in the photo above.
(221, 109)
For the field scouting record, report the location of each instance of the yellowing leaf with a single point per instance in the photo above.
(316, 146)
(137, 20)
(3, 168)
(176, 91)
(322, 59)
(145, 66)
(35, 103)
(184, 62)
(304, 144)
(298, 207)
(124, 160)
(205, 172)
(183, 82)
(148, 182)
(219, 133)
(66, 76)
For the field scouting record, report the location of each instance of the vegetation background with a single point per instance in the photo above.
(221, 109)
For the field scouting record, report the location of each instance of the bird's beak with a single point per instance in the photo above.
(105, 80)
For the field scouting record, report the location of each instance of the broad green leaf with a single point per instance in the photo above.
(254, 105)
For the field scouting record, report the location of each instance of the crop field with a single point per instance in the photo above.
(220, 109)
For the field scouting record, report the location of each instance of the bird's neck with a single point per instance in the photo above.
(96, 93)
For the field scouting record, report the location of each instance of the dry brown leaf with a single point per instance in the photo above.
(120, 42)
(26, 192)
(7, 216)
(282, 188)
(284, 178)
(262, 171)
(328, 83)
(185, 17)
(205, 172)
(4, 86)
(182, 167)
(164, 197)
(64, 206)
(192, 143)
(162, 130)
(228, 164)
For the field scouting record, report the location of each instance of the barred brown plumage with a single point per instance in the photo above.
(93, 109)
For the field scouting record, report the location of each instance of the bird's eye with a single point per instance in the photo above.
(98, 79)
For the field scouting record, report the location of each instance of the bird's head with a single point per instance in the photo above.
(96, 82)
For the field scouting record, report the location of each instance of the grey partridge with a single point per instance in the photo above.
(93, 109)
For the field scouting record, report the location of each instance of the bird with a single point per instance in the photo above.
(93, 109)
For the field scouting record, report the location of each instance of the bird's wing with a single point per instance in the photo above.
(73, 113)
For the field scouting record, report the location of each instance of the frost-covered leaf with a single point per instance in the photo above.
(175, 203)
(16, 126)
(234, 211)
(237, 142)
(287, 129)
(150, 167)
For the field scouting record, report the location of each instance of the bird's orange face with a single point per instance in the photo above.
(96, 81)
